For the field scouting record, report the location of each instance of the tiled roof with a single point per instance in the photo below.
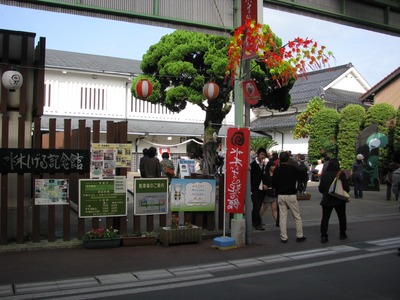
(91, 63)
(270, 123)
(380, 85)
(342, 97)
(308, 87)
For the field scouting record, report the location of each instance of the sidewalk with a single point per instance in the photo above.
(370, 218)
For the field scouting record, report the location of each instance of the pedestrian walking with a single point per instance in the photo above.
(388, 178)
(329, 202)
(270, 198)
(141, 162)
(396, 178)
(257, 169)
(303, 180)
(167, 166)
(152, 168)
(357, 176)
(284, 181)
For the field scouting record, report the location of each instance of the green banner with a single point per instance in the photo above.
(99, 198)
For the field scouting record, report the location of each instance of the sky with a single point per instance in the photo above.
(374, 55)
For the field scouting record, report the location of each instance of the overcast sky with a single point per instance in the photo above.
(374, 55)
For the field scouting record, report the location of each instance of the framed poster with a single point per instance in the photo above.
(151, 196)
(101, 198)
(193, 194)
(51, 191)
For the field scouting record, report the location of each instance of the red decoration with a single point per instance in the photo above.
(250, 92)
(144, 88)
(211, 90)
(295, 57)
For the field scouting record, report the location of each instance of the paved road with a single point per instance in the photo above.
(56, 268)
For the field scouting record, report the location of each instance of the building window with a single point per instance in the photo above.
(92, 98)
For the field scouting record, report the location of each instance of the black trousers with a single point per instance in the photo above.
(326, 214)
(257, 197)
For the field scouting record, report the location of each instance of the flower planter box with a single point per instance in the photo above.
(131, 241)
(180, 235)
(102, 243)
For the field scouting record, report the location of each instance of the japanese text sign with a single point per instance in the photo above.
(237, 159)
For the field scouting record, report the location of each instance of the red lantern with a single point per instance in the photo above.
(211, 90)
(144, 88)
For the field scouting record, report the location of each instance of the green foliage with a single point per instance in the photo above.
(396, 134)
(262, 142)
(302, 127)
(381, 114)
(350, 123)
(182, 62)
(323, 129)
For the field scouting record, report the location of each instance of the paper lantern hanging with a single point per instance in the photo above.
(211, 90)
(12, 80)
(144, 88)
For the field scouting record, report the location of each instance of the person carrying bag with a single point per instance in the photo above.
(329, 202)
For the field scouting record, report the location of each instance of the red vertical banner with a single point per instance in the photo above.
(236, 161)
(249, 10)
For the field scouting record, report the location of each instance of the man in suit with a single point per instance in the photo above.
(257, 168)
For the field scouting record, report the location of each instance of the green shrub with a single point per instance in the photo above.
(350, 123)
(323, 129)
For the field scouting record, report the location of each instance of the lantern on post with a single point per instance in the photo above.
(144, 88)
(211, 90)
(12, 80)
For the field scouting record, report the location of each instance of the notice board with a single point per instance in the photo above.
(151, 196)
(101, 198)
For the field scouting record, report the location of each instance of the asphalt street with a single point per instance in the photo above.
(46, 267)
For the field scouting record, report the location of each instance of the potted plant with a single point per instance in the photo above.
(101, 238)
(177, 234)
(145, 238)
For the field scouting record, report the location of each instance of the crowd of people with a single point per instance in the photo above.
(277, 180)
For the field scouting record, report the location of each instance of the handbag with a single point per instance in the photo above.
(336, 189)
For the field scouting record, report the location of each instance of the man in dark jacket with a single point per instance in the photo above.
(257, 168)
(329, 202)
(284, 181)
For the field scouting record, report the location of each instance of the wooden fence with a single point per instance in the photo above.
(53, 222)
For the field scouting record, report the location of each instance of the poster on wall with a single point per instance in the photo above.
(102, 198)
(193, 194)
(151, 196)
(186, 167)
(107, 157)
(51, 191)
(237, 160)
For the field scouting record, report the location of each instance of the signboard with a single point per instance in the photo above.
(186, 167)
(250, 92)
(237, 159)
(51, 191)
(107, 157)
(101, 198)
(193, 194)
(250, 10)
(151, 196)
(15, 160)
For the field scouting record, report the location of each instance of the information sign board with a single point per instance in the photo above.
(100, 198)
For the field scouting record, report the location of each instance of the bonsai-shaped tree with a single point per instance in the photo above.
(181, 63)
